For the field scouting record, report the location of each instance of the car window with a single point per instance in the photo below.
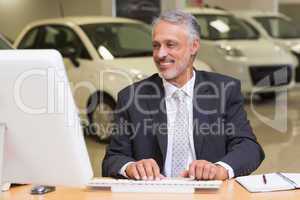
(278, 27)
(203, 23)
(61, 38)
(29, 41)
(3, 44)
(131, 37)
(120, 39)
(220, 27)
(250, 26)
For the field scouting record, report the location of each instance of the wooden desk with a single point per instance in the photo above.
(230, 190)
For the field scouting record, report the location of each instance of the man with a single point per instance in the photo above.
(181, 122)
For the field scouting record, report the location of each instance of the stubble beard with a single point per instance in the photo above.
(174, 72)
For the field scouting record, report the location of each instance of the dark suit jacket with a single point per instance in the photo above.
(221, 129)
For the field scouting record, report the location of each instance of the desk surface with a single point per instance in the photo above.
(229, 190)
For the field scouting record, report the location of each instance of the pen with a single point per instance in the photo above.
(287, 179)
(264, 178)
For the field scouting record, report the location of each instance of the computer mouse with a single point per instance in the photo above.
(42, 189)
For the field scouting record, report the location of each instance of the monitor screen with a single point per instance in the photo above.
(43, 141)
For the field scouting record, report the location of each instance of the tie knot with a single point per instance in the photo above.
(179, 95)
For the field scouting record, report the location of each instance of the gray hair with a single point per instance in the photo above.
(179, 17)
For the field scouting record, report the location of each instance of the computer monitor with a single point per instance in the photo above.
(43, 141)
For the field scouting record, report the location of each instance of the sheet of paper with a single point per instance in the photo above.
(294, 177)
(255, 183)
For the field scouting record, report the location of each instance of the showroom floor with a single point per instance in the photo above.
(282, 149)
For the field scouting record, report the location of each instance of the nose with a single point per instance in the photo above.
(162, 52)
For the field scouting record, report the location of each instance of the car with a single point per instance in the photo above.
(4, 43)
(233, 48)
(276, 27)
(102, 55)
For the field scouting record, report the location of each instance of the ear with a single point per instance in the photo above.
(195, 46)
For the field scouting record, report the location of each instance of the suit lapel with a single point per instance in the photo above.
(159, 116)
(199, 117)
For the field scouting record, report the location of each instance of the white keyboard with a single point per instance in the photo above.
(165, 185)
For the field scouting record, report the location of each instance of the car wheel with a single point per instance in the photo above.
(100, 116)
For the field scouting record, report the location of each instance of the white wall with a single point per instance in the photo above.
(81, 7)
(15, 14)
(291, 8)
(172, 4)
(107, 7)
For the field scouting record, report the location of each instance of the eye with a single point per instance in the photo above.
(155, 46)
(171, 44)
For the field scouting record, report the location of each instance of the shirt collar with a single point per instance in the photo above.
(188, 88)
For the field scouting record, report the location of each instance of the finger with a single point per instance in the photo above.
(162, 176)
(213, 173)
(156, 170)
(141, 171)
(192, 170)
(199, 171)
(184, 174)
(149, 170)
(134, 173)
(206, 171)
(131, 171)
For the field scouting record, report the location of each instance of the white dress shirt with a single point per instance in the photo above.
(171, 108)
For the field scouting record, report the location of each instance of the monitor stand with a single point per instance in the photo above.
(39, 189)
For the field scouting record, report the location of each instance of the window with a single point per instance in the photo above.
(61, 38)
(224, 27)
(30, 39)
(132, 38)
(278, 27)
(250, 26)
(4, 44)
(120, 39)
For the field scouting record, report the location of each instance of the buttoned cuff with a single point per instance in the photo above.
(227, 167)
(123, 169)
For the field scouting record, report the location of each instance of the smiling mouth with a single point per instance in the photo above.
(163, 64)
(166, 64)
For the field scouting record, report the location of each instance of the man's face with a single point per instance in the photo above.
(173, 50)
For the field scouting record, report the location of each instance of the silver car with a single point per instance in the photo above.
(276, 27)
(236, 49)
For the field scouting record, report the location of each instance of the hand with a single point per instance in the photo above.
(146, 169)
(204, 170)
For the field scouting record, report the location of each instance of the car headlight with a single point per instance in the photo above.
(231, 51)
